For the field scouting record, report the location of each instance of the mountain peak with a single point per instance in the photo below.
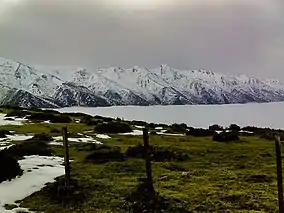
(134, 86)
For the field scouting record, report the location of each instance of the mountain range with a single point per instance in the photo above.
(27, 86)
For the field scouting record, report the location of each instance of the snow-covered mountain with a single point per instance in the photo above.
(27, 86)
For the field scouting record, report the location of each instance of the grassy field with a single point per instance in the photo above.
(217, 177)
(220, 177)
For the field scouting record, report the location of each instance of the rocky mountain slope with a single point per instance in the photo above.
(27, 86)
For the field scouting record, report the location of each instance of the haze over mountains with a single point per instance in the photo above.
(27, 86)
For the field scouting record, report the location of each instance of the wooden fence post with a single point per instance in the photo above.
(279, 174)
(66, 156)
(150, 186)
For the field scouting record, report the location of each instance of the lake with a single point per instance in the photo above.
(254, 114)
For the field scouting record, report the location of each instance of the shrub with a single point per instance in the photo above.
(178, 128)
(89, 121)
(89, 147)
(53, 118)
(4, 133)
(105, 119)
(226, 137)
(29, 148)
(234, 127)
(139, 123)
(50, 111)
(216, 127)
(72, 195)
(141, 200)
(163, 125)
(200, 132)
(60, 119)
(113, 127)
(105, 155)
(55, 131)
(152, 126)
(42, 137)
(158, 154)
(77, 115)
(9, 167)
(250, 129)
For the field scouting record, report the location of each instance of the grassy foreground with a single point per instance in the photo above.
(217, 177)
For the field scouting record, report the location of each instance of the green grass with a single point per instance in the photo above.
(218, 177)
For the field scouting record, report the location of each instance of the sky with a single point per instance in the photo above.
(225, 36)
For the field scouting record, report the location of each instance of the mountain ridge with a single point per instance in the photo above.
(133, 86)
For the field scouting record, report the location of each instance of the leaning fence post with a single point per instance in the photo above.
(148, 161)
(279, 174)
(66, 156)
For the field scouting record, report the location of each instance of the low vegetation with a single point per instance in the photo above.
(29, 148)
(142, 200)
(69, 196)
(4, 133)
(42, 137)
(234, 127)
(102, 154)
(113, 127)
(9, 167)
(216, 127)
(158, 153)
(226, 137)
(47, 116)
(196, 172)
(197, 132)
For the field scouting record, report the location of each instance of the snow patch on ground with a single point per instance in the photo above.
(56, 143)
(4, 143)
(78, 140)
(15, 121)
(139, 127)
(6, 147)
(18, 137)
(159, 128)
(134, 132)
(169, 134)
(242, 131)
(58, 138)
(102, 136)
(38, 170)
(84, 140)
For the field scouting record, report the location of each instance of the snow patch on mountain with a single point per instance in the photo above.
(37, 86)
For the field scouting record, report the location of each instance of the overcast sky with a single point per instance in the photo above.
(227, 36)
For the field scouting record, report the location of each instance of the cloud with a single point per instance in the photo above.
(229, 36)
